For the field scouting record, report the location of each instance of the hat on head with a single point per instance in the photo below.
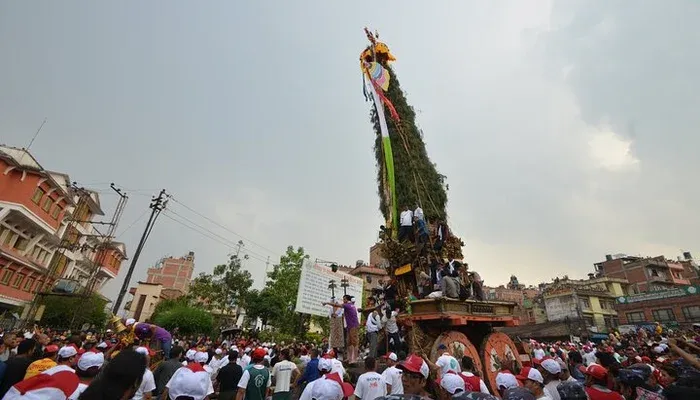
(506, 380)
(67, 352)
(192, 381)
(90, 359)
(218, 351)
(551, 366)
(201, 357)
(259, 353)
(451, 382)
(52, 348)
(531, 374)
(325, 364)
(331, 387)
(102, 345)
(595, 370)
(415, 364)
(189, 355)
(392, 356)
(57, 383)
(145, 351)
(130, 322)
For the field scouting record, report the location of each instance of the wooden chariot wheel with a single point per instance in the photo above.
(458, 345)
(495, 349)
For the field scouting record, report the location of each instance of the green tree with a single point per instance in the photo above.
(225, 288)
(72, 311)
(168, 304)
(282, 287)
(264, 305)
(186, 319)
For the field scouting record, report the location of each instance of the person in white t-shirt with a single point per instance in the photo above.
(392, 375)
(370, 385)
(445, 363)
(283, 373)
(539, 352)
(589, 356)
(406, 225)
(148, 384)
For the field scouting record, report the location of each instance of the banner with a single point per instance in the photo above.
(679, 291)
(313, 289)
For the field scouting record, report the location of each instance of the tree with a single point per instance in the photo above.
(282, 288)
(71, 311)
(222, 290)
(264, 305)
(168, 304)
(186, 319)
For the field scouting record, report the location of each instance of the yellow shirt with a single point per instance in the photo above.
(39, 366)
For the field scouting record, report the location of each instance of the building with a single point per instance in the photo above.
(373, 277)
(38, 209)
(376, 257)
(643, 273)
(691, 268)
(173, 273)
(146, 297)
(590, 300)
(680, 305)
(533, 311)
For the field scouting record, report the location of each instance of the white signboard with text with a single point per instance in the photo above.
(313, 288)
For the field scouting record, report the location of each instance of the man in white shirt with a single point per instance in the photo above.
(283, 373)
(538, 352)
(372, 326)
(589, 356)
(392, 375)
(148, 384)
(392, 329)
(244, 361)
(406, 225)
(418, 213)
(370, 385)
(446, 362)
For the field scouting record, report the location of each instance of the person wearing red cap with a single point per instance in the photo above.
(255, 381)
(41, 365)
(596, 383)
(415, 376)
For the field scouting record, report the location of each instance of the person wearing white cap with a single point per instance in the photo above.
(504, 381)
(331, 387)
(191, 381)
(148, 384)
(370, 385)
(57, 383)
(189, 356)
(87, 369)
(551, 369)
(324, 368)
(534, 382)
(244, 361)
(392, 375)
(451, 383)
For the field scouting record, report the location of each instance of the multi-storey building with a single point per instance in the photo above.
(173, 273)
(692, 270)
(591, 301)
(39, 242)
(643, 273)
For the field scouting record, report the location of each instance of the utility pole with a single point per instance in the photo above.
(267, 266)
(240, 245)
(158, 204)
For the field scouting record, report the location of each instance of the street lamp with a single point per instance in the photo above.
(344, 283)
(332, 286)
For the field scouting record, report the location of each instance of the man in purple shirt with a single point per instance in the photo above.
(352, 323)
(146, 332)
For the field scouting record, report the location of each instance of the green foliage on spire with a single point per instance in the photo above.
(417, 179)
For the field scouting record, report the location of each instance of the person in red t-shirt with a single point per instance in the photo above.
(596, 383)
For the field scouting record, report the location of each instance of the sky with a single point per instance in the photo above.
(566, 129)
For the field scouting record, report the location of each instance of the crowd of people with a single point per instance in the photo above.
(44, 364)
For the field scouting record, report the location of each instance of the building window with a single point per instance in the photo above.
(54, 213)
(665, 314)
(38, 194)
(47, 204)
(588, 321)
(6, 276)
(691, 313)
(585, 303)
(21, 243)
(28, 285)
(9, 237)
(18, 280)
(635, 316)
